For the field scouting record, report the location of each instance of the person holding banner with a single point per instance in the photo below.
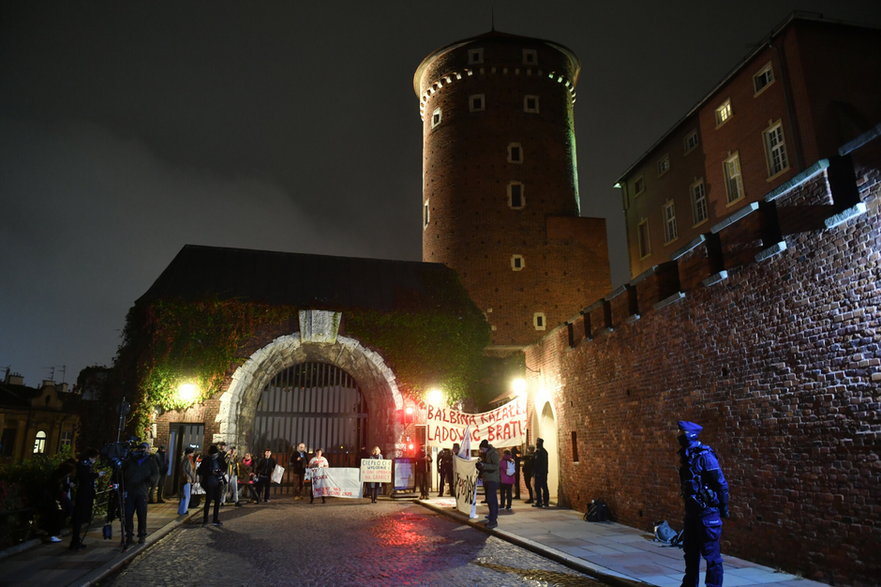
(373, 487)
(489, 472)
(317, 462)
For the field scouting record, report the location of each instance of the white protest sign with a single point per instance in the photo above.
(336, 482)
(376, 470)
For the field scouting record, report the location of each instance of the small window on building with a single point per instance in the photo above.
(516, 199)
(426, 214)
(763, 78)
(733, 179)
(724, 113)
(7, 442)
(539, 321)
(517, 262)
(574, 446)
(476, 103)
(671, 233)
(475, 56)
(66, 439)
(530, 104)
(436, 118)
(40, 442)
(642, 235)
(638, 186)
(530, 57)
(775, 149)
(663, 165)
(690, 142)
(699, 211)
(515, 153)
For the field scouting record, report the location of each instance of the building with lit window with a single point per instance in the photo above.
(808, 88)
(35, 420)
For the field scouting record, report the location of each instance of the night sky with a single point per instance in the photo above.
(128, 129)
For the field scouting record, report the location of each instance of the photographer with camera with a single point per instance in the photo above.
(139, 472)
(211, 472)
(488, 466)
(84, 498)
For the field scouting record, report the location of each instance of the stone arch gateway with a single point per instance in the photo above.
(238, 404)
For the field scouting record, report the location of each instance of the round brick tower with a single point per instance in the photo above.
(500, 184)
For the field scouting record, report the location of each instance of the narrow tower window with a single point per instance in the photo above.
(515, 153)
(517, 262)
(475, 56)
(530, 104)
(515, 195)
(539, 321)
(436, 118)
(530, 57)
(426, 214)
(476, 103)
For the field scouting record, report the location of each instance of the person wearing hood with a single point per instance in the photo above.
(139, 472)
(705, 492)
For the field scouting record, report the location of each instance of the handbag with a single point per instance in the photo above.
(277, 474)
(197, 489)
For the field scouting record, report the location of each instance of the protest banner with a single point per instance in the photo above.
(465, 485)
(336, 482)
(504, 426)
(376, 470)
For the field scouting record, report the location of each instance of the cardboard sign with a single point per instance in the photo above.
(376, 471)
(504, 426)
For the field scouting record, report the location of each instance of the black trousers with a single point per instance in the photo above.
(212, 494)
(135, 503)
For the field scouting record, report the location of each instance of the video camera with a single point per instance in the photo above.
(117, 452)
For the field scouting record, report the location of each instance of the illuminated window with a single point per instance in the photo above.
(426, 214)
(670, 230)
(642, 236)
(733, 179)
(475, 56)
(40, 442)
(698, 202)
(530, 104)
(663, 165)
(638, 186)
(763, 78)
(724, 113)
(539, 321)
(436, 118)
(517, 262)
(476, 103)
(530, 57)
(515, 195)
(690, 142)
(515, 153)
(775, 149)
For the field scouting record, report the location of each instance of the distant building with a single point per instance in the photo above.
(35, 420)
(500, 200)
(810, 87)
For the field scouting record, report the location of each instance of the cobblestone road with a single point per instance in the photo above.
(342, 542)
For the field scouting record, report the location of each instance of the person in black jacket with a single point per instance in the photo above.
(84, 498)
(540, 473)
(162, 464)
(299, 460)
(264, 469)
(211, 471)
(139, 473)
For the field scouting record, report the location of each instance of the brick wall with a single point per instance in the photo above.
(781, 364)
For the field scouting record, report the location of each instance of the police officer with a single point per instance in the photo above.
(706, 501)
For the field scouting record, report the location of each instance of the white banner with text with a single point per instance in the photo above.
(504, 426)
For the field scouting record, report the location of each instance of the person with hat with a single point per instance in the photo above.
(139, 473)
(488, 466)
(705, 492)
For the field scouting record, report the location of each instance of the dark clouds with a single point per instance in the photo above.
(128, 129)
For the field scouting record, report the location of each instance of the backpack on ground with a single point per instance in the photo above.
(667, 535)
(597, 511)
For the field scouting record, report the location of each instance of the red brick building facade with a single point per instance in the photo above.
(800, 95)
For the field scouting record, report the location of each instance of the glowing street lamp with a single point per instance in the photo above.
(519, 386)
(187, 393)
(435, 397)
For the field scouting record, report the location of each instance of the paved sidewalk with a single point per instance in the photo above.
(41, 563)
(613, 553)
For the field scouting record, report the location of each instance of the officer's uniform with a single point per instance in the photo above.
(706, 502)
